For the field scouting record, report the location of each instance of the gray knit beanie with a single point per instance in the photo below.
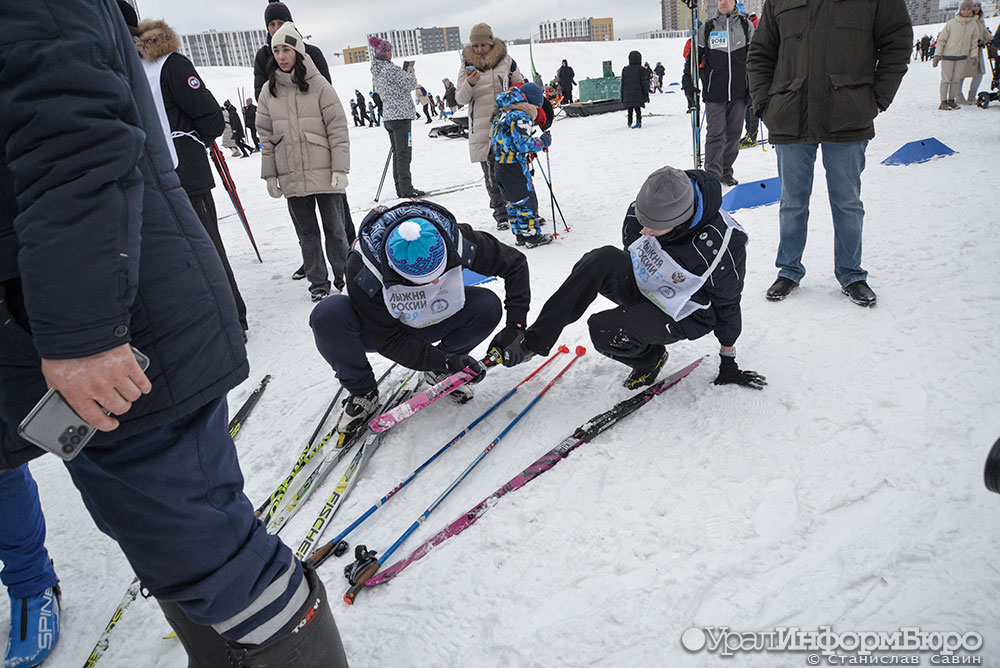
(665, 200)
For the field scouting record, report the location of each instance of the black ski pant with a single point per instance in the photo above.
(567, 94)
(331, 211)
(253, 133)
(497, 202)
(245, 150)
(638, 115)
(632, 333)
(204, 206)
(341, 339)
(752, 122)
(402, 153)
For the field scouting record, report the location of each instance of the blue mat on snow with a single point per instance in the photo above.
(749, 195)
(472, 278)
(918, 151)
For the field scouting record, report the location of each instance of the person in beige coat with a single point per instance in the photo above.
(487, 70)
(957, 48)
(306, 155)
(977, 69)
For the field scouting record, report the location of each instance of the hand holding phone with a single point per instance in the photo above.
(106, 383)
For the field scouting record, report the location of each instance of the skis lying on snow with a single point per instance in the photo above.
(585, 433)
(370, 442)
(419, 402)
(241, 415)
(135, 587)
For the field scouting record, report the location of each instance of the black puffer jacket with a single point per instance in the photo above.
(821, 70)
(192, 111)
(694, 249)
(99, 245)
(635, 82)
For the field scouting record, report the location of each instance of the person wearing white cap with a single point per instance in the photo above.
(678, 277)
(406, 299)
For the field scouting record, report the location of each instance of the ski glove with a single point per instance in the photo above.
(272, 187)
(546, 139)
(509, 344)
(455, 363)
(730, 374)
(339, 181)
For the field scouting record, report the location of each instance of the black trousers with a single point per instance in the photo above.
(303, 213)
(632, 333)
(204, 206)
(567, 94)
(638, 114)
(402, 152)
(253, 133)
(752, 122)
(497, 202)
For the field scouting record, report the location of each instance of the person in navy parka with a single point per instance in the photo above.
(99, 249)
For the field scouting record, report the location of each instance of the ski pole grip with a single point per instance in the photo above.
(321, 555)
(352, 593)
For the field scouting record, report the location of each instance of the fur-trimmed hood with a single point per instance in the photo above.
(487, 62)
(155, 39)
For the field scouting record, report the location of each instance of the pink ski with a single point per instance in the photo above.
(420, 401)
(586, 432)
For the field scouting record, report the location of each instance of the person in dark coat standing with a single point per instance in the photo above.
(275, 15)
(377, 101)
(237, 127)
(566, 80)
(195, 121)
(678, 277)
(100, 249)
(811, 91)
(635, 88)
(661, 72)
(722, 44)
(250, 118)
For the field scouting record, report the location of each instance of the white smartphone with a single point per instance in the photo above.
(55, 427)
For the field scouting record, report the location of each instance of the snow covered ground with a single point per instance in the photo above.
(849, 493)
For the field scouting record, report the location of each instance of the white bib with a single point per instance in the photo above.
(153, 70)
(718, 39)
(425, 305)
(667, 284)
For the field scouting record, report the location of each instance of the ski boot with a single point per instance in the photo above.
(358, 408)
(34, 628)
(646, 375)
(533, 240)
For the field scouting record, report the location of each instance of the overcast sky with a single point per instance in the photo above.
(336, 25)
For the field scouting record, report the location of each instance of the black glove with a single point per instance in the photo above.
(691, 105)
(730, 374)
(509, 345)
(455, 363)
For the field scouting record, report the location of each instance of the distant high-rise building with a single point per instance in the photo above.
(923, 12)
(416, 41)
(675, 15)
(357, 54)
(577, 30)
(230, 48)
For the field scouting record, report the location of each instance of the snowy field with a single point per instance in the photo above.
(849, 493)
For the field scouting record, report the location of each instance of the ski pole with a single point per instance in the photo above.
(333, 546)
(384, 170)
(548, 182)
(230, 186)
(241, 415)
(367, 565)
(551, 194)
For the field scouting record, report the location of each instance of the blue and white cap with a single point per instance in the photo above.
(416, 250)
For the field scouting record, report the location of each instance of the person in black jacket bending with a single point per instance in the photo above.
(239, 136)
(680, 276)
(195, 121)
(405, 292)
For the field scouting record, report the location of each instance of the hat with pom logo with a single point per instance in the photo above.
(416, 250)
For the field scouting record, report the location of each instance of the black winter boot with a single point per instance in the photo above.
(310, 640)
(204, 646)
(647, 373)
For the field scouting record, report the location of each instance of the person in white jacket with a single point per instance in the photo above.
(306, 155)
(957, 48)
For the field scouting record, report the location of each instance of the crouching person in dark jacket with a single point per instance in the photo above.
(405, 293)
(99, 249)
(680, 276)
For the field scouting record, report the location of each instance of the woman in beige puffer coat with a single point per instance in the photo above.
(956, 46)
(487, 70)
(306, 155)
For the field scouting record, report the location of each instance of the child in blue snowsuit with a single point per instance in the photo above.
(515, 144)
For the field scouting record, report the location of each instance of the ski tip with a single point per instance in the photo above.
(563, 348)
(581, 350)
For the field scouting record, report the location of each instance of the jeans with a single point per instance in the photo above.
(843, 163)
(331, 210)
(27, 570)
(340, 337)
